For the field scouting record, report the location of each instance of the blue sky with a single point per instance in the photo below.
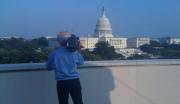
(129, 18)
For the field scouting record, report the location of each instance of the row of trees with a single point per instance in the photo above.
(162, 50)
(19, 50)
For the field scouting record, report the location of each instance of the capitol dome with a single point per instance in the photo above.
(103, 26)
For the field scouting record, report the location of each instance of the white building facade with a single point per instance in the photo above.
(169, 40)
(137, 42)
(174, 41)
(88, 42)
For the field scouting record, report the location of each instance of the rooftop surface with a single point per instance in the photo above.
(103, 82)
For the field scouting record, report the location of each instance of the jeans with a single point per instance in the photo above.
(72, 87)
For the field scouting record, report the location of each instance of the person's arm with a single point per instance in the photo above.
(80, 59)
(50, 62)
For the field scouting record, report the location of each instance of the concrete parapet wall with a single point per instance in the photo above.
(108, 63)
(103, 82)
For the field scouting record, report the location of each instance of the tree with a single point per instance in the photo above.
(155, 43)
(41, 42)
(19, 50)
(90, 55)
(106, 51)
(163, 50)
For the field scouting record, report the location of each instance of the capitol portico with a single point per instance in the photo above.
(103, 32)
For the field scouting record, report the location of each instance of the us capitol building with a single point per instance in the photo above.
(103, 32)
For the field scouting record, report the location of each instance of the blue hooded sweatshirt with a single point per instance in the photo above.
(64, 63)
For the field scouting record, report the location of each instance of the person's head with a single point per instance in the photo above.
(62, 38)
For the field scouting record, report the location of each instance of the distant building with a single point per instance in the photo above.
(169, 40)
(137, 42)
(52, 42)
(8, 37)
(175, 41)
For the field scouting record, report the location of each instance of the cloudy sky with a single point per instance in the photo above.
(129, 18)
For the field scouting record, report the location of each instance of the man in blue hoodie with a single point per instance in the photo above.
(65, 65)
